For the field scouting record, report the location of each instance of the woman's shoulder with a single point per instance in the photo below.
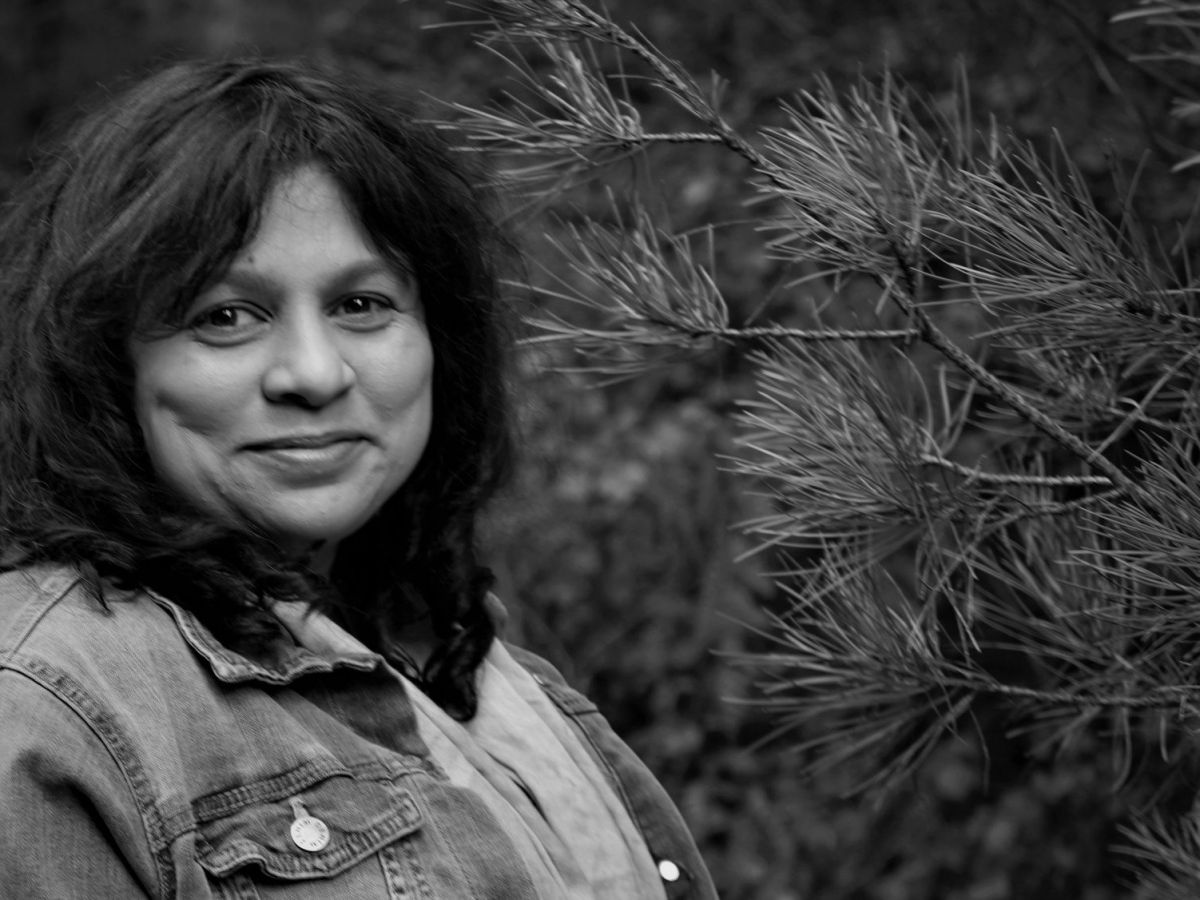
(68, 662)
(541, 669)
(652, 810)
(56, 629)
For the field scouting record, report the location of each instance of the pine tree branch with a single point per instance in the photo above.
(934, 336)
(1168, 853)
(681, 137)
(979, 476)
(1181, 698)
(672, 330)
(1064, 508)
(673, 76)
(890, 238)
(817, 680)
(553, 18)
(808, 335)
(549, 21)
(1039, 605)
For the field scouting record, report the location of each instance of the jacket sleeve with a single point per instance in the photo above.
(69, 826)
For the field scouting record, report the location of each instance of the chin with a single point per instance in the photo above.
(301, 537)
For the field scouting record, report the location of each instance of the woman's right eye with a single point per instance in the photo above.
(226, 322)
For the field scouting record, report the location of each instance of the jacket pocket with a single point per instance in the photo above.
(315, 831)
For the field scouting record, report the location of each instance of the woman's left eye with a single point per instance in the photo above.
(364, 310)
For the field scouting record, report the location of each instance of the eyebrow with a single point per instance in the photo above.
(243, 278)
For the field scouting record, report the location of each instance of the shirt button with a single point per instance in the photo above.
(668, 870)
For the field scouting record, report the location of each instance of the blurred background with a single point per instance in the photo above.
(616, 546)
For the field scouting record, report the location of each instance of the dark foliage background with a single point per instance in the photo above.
(615, 547)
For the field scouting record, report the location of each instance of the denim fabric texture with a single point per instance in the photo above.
(141, 758)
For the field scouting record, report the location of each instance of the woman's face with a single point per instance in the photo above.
(297, 395)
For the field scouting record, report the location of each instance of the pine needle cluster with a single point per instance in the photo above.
(1007, 520)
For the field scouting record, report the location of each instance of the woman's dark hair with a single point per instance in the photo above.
(135, 210)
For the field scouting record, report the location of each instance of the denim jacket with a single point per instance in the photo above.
(141, 758)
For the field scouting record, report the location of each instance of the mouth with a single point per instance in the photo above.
(306, 441)
(309, 459)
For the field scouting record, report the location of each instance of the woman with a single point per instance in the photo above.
(250, 406)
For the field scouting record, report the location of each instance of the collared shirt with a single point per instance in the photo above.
(141, 758)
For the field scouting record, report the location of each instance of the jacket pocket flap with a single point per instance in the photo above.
(342, 820)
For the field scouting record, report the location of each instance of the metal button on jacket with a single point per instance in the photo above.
(308, 832)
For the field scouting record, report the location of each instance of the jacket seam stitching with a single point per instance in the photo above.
(62, 687)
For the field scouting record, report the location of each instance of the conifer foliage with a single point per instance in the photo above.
(979, 442)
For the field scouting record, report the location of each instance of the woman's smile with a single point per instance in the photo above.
(310, 457)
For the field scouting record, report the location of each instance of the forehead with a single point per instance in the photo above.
(307, 230)
(307, 192)
(306, 212)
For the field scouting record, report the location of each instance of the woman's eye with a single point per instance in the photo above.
(365, 310)
(227, 322)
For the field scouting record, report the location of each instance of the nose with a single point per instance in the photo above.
(307, 366)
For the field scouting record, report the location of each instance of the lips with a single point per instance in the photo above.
(309, 458)
(305, 441)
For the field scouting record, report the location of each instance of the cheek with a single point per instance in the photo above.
(401, 392)
(409, 391)
(176, 400)
(187, 417)
(398, 378)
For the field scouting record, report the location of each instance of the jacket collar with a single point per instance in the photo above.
(282, 662)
